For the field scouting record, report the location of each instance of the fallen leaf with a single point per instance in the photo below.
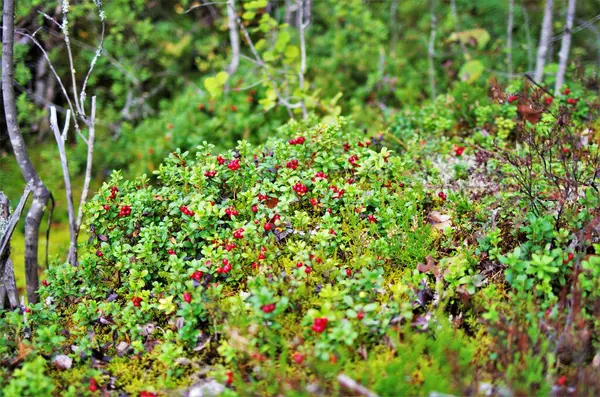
(439, 221)
(429, 266)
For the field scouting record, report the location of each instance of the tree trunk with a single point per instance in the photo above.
(528, 35)
(431, 51)
(234, 38)
(544, 40)
(41, 194)
(509, 30)
(565, 46)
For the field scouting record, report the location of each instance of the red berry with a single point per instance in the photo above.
(187, 297)
(570, 257)
(220, 160)
(136, 301)
(99, 254)
(360, 315)
(229, 377)
(254, 265)
(561, 381)
(572, 101)
(239, 233)
(197, 275)
(372, 218)
(566, 91)
(210, 173)
(353, 160)
(292, 164)
(27, 310)
(93, 385)
(268, 308)
(348, 272)
(147, 394)
(459, 150)
(298, 358)
(233, 108)
(565, 150)
(226, 268)
(442, 195)
(548, 100)
(268, 226)
(307, 270)
(45, 283)
(106, 207)
(512, 98)
(346, 147)
(171, 251)
(254, 208)
(299, 264)
(261, 256)
(319, 324)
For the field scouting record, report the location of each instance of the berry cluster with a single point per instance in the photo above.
(292, 164)
(186, 210)
(300, 189)
(125, 211)
(239, 233)
(297, 141)
(113, 192)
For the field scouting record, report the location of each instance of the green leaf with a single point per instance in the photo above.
(291, 52)
(248, 15)
(222, 77)
(471, 71)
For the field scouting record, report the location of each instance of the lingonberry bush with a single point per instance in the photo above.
(276, 268)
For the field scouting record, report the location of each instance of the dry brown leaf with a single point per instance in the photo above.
(439, 221)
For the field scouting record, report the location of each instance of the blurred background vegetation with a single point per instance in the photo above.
(367, 59)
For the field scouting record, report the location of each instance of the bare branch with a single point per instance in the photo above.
(97, 54)
(350, 384)
(13, 220)
(204, 5)
(262, 64)
(60, 142)
(88, 167)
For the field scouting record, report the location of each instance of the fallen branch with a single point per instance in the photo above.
(349, 383)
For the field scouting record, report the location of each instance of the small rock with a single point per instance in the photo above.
(63, 361)
(122, 347)
(206, 389)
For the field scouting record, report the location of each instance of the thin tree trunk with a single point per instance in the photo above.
(303, 8)
(509, 30)
(528, 35)
(393, 27)
(563, 55)
(544, 41)
(41, 194)
(234, 38)
(431, 51)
